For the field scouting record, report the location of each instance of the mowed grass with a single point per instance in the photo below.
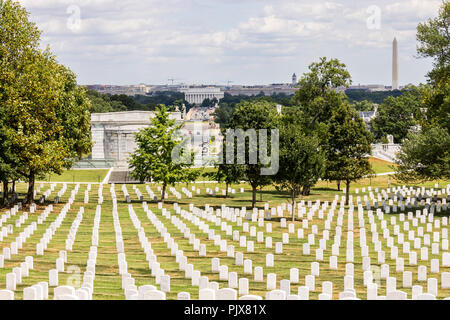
(381, 166)
(107, 285)
(378, 165)
(96, 176)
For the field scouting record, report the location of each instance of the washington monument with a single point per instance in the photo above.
(395, 65)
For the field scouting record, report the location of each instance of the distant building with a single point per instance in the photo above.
(294, 79)
(196, 95)
(140, 89)
(113, 133)
(267, 90)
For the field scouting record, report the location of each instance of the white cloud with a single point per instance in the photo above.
(184, 33)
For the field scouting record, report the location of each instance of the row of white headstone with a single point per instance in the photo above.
(85, 292)
(14, 278)
(19, 273)
(205, 288)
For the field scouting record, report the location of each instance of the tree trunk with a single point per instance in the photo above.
(254, 196)
(347, 192)
(306, 191)
(339, 185)
(30, 193)
(260, 194)
(226, 192)
(163, 192)
(5, 193)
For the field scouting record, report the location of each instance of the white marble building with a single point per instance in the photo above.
(198, 95)
(113, 133)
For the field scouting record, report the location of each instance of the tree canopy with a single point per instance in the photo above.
(425, 155)
(349, 146)
(153, 159)
(254, 115)
(301, 157)
(45, 122)
(397, 115)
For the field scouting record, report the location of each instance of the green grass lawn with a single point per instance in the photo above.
(381, 166)
(107, 283)
(79, 176)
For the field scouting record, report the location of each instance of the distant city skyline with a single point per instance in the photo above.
(221, 42)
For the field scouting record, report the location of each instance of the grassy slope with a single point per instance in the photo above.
(381, 166)
(108, 281)
(79, 176)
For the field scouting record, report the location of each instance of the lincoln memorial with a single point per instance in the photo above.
(198, 95)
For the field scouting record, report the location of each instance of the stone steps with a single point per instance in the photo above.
(121, 176)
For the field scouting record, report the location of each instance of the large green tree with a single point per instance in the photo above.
(318, 98)
(254, 115)
(301, 157)
(425, 155)
(349, 146)
(18, 40)
(317, 95)
(45, 117)
(433, 39)
(397, 115)
(154, 157)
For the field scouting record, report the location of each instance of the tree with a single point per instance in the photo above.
(206, 103)
(127, 101)
(45, 117)
(425, 155)
(254, 115)
(318, 99)
(54, 128)
(349, 145)
(301, 158)
(397, 115)
(101, 103)
(153, 158)
(433, 39)
(18, 38)
(7, 164)
(363, 105)
(317, 96)
(222, 114)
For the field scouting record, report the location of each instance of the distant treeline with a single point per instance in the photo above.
(101, 103)
(375, 97)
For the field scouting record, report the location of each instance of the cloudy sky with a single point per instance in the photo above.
(244, 41)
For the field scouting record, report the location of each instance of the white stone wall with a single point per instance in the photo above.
(113, 133)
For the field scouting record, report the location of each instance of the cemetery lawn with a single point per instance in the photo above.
(378, 165)
(107, 284)
(95, 176)
(381, 166)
